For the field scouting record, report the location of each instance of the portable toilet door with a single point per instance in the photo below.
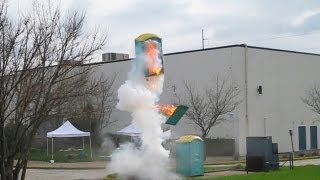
(197, 156)
(190, 156)
(183, 159)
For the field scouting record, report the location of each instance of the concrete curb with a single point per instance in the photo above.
(67, 168)
(62, 166)
(244, 161)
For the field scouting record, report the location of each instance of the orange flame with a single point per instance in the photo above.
(152, 52)
(166, 109)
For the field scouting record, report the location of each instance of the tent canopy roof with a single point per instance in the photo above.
(133, 130)
(67, 130)
(130, 130)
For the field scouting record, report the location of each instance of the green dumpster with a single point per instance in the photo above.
(189, 156)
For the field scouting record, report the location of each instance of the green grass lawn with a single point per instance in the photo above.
(208, 168)
(284, 173)
(80, 156)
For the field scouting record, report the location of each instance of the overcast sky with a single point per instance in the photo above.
(285, 24)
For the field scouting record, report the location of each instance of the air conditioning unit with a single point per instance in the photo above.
(107, 57)
(71, 62)
(262, 154)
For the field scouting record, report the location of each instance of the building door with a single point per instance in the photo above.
(302, 138)
(313, 137)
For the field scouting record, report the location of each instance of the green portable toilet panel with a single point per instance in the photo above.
(177, 115)
(189, 156)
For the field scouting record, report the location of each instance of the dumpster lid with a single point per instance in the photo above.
(188, 138)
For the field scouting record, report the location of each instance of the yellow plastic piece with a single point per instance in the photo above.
(188, 138)
(146, 36)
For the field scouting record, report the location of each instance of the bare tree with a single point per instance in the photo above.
(103, 102)
(312, 98)
(92, 110)
(208, 108)
(39, 70)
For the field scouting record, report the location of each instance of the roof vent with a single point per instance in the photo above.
(108, 57)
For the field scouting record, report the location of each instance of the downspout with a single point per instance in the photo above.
(233, 116)
(246, 85)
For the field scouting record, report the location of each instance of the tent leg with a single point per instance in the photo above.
(52, 148)
(47, 147)
(90, 147)
(83, 144)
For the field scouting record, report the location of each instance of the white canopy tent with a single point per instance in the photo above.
(133, 131)
(130, 130)
(67, 130)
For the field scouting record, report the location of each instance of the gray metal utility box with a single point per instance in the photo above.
(262, 154)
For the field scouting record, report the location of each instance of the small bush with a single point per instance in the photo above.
(309, 154)
(111, 177)
(315, 153)
(238, 167)
(301, 154)
(285, 156)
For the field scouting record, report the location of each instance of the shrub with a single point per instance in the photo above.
(285, 156)
(301, 154)
(238, 167)
(315, 153)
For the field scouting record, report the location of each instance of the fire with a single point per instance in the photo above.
(166, 109)
(152, 52)
(155, 71)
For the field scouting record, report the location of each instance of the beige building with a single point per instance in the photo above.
(282, 76)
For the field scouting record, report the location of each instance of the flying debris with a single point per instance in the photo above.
(174, 113)
(166, 109)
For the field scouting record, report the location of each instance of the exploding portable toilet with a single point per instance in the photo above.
(262, 154)
(189, 156)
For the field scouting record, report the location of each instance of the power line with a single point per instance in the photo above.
(311, 48)
(287, 36)
(277, 37)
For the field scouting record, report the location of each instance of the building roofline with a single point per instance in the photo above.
(106, 62)
(283, 50)
(213, 48)
(242, 45)
(206, 49)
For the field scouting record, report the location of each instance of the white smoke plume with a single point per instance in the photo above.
(150, 160)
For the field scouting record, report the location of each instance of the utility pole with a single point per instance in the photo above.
(202, 39)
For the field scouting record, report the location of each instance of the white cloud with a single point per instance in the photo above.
(179, 23)
(21, 7)
(200, 8)
(217, 8)
(301, 19)
(107, 7)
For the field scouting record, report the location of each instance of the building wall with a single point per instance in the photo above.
(120, 70)
(284, 77)
(199, 69)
